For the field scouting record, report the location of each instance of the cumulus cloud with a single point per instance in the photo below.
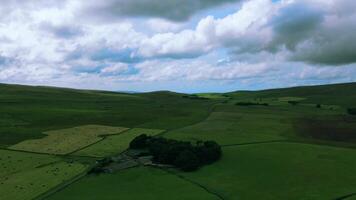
(48, 41)
(311, 31)
(240, 31)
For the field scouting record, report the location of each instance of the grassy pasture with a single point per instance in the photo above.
(24, 176)
(337, 94)
(65, 141)
(115, 144)
(12, 162)
(133, 184)
(281, 171)
(233, 128)
(251, 171)
(27, 112)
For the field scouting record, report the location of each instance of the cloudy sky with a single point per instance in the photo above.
(179, 45)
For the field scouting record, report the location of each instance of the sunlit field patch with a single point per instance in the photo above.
(116, 143)
(65, 141)
(24, 176)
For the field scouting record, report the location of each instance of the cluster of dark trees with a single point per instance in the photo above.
(294, 103)
(195, 97)
(182, 155)
(351, 111)
(251, 104)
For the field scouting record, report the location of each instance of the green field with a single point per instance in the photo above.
(274, 151)
(233, 128)
(281, 171)
(115, 144)
(24, 176)
(66, 141)
(136, 183)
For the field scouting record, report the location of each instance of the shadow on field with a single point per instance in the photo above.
(337, 129)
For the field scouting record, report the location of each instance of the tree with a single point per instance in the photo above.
(209, 152)
(139, 142)
(181, 154)
(187, 161)
(294, 103)
(351, 111)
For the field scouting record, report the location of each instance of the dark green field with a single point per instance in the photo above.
(294, 143)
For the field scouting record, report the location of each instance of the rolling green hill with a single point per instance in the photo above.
(340, 94)
(27, 112)
(290, 143)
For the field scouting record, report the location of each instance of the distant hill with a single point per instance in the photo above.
(340, 94)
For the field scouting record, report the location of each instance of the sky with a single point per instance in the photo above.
(179, 45)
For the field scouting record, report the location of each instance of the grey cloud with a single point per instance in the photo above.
(330, 47)
(295, 23)
(317, 35)
(175, 10)
(63, 31)
(308, 32)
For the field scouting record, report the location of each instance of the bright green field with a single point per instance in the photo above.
(65, 141)
(12, 162)
(24, 176)
(133, 184)
(281, 171)
(115, 144)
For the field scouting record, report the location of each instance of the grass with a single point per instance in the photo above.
(12, 162)
(115, 144)
(65, 141)
(232, 128)
(310, 163)
(136, 183)
(24, 176)
(281, 171)
(27, 112)
(286, 99)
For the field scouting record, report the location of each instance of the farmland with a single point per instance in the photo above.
(26, 175)
(272, 148)
(67, 140)
(281, 171)
(136, 183)
(115, 144)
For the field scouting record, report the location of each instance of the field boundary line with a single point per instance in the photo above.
(102, 137)
(193, 182)
(47, 154)
(33, 152)
(211, 110)
(255, 143)
(346, 196)
(63, 185)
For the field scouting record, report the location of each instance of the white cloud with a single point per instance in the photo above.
(239, 30)
(114, 69)
(50, 42)
(158, 25)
